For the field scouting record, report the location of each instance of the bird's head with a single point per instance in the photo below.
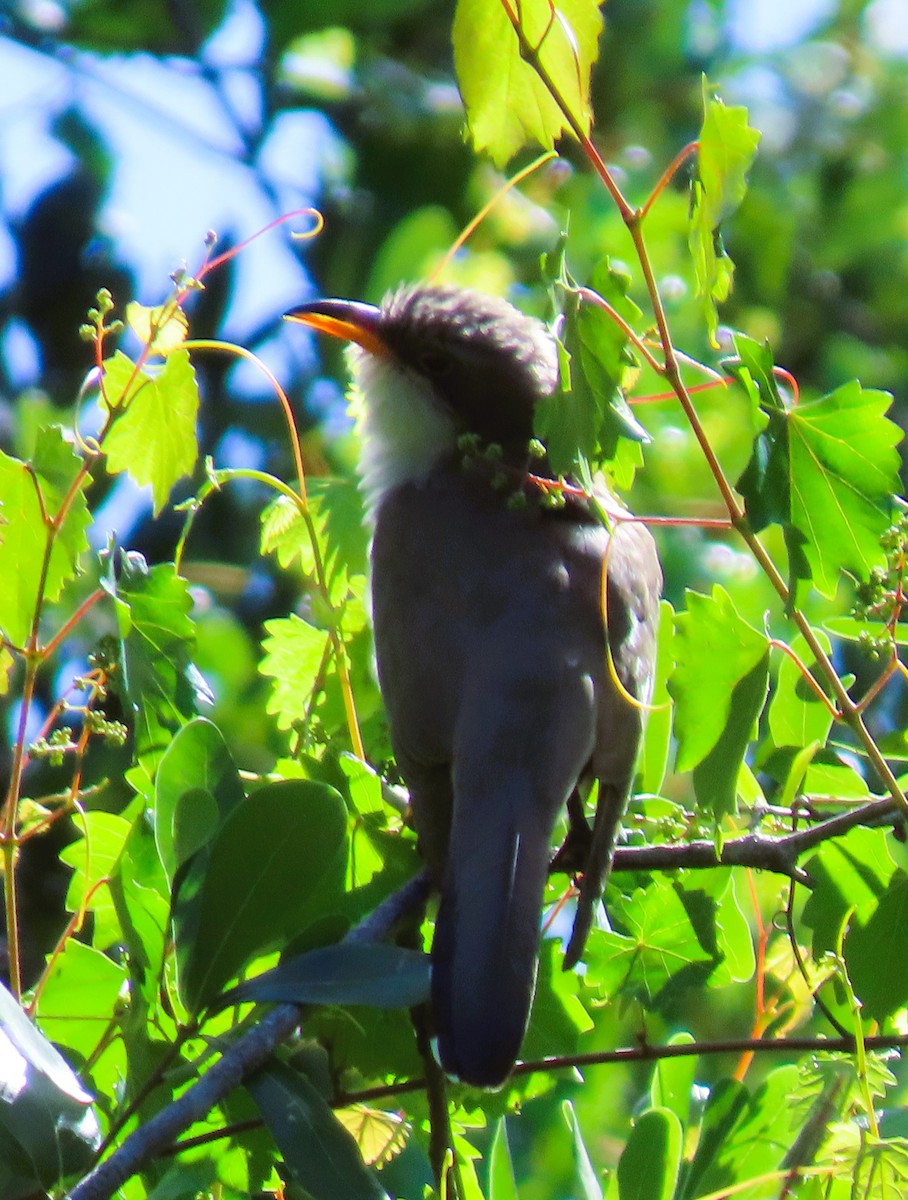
(433, 363)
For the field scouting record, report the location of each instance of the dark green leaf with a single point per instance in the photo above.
(275, 862)
(648, 1167)
(377, 975)
(196, 787)
(317, 1150)
(153, 606)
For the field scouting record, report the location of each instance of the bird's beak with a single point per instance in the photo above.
(346, 319)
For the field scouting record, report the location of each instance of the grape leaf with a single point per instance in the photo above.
(826, 471)
(507, 104)
(726, 147)
(154, 436)
(294, 653)
(711, 631)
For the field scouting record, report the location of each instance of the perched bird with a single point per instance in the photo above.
(491, 611)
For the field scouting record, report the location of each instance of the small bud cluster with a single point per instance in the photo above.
(96, 326)
(882, 596)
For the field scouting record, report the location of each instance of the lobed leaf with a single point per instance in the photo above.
(153, 437)
(507, 104)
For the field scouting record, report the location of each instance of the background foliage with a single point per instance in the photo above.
(182, 639)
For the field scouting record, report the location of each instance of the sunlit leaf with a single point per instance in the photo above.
(161, 329)
(726, 149)
(31, 495)
(707, 703)
(660, 941)
(507, 104)
(154, 436)
(826, 471)
(295, 654)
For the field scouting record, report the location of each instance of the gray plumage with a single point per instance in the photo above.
(491, 651)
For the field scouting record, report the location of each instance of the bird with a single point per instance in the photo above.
(515, 640)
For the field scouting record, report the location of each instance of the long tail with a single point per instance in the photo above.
(486, 944)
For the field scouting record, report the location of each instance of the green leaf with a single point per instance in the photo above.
(94, 858)
(712, 631)
(348, 973)
(587, 415)
(48, 1128)
(141, 896)
(876, 951)
(29, 494)
(673, 1080)
(79, 994)
(197, 786)
(294, 656)
(727, 1101)
(746, 1135)
(715, 777)
(157, 634)
(507, 104)
(726, 149)
(317, 1150)
(502, 1184)
(336, 510)
(588, 1185)
(660, 942)
(275, 863)
(649, 1164)
(853, 630)
(797, 716)
(154, 434)
(848, 872)
(558, 1017)
(161, 329)
(826, 470)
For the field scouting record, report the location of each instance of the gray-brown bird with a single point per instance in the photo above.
(490, 641)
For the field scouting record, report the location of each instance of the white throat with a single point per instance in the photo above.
(404, 430)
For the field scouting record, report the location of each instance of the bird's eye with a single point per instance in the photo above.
(435, 362)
